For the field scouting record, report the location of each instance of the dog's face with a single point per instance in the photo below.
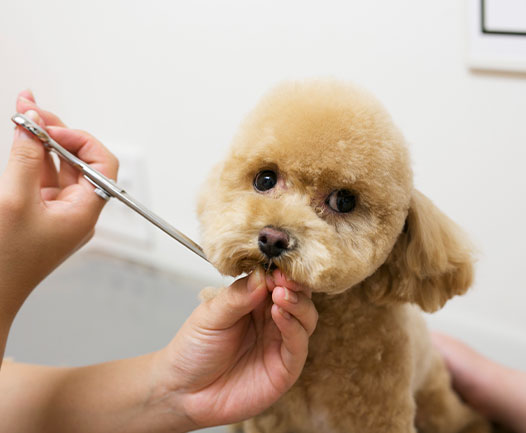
(317, 183)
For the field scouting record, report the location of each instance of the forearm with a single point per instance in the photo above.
(4, 333)
(508, 392)
(14, 290)
(6, 320)
(119, 396)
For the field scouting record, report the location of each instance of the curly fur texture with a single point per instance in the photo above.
(371, 367)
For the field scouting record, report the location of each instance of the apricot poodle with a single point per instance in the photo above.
(318, 183)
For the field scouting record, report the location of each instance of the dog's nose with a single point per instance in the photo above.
(272, 242)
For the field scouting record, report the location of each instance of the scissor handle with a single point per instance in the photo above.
(105, 187)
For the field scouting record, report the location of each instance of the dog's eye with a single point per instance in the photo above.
(341, 200)
(265, 180)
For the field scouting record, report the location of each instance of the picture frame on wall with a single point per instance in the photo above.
(497, 35)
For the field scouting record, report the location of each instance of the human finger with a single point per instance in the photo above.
(67, 175)
(298, 305)
(469, 372)
(295, 340)
(27, 94)
(49, 175)
(49, 193)
(25, 163)
(493, 389)
(460, 359)
(87, 148)
(26, 101)
(92, 151)
(234, 302)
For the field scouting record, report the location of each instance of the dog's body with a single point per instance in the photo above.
(318, 183)
(369, 369)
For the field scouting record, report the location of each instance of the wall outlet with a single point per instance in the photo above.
(118, 223)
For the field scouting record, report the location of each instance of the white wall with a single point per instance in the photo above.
(175, 78)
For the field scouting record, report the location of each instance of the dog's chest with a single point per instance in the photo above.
(321, 421)
(350, 355)
(353, 338)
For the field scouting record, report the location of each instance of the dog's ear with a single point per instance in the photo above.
(432, 259)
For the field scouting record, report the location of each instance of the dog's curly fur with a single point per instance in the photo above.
(370, 367)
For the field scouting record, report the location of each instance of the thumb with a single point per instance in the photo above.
(234, 302)
(25, 160)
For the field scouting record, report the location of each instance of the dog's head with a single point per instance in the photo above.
(318, 183)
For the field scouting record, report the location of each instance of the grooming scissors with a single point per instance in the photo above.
(104, 187)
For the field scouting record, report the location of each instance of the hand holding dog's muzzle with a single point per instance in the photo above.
(251, 347)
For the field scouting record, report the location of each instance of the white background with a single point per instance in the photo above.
(172, 80)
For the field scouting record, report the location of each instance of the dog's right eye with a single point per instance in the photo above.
(265, 180)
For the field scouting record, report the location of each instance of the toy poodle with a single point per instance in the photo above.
(318, 183)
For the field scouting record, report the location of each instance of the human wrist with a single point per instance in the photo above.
(11, 300)
(5, 326)
(167, 395)
(126, 395)
(149, 402)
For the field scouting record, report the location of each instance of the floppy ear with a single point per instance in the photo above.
(432, 259)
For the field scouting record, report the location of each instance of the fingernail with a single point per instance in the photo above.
(290, 296)
(284, 313)
(22, 98)
(31, 93)
(32, 114)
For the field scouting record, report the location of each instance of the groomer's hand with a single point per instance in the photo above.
(239, 352)
(496, 391)
(45, 213)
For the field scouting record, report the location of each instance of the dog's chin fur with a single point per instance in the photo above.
(394, 248)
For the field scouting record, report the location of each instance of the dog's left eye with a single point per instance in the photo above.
(265, 180)
(341, 200)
